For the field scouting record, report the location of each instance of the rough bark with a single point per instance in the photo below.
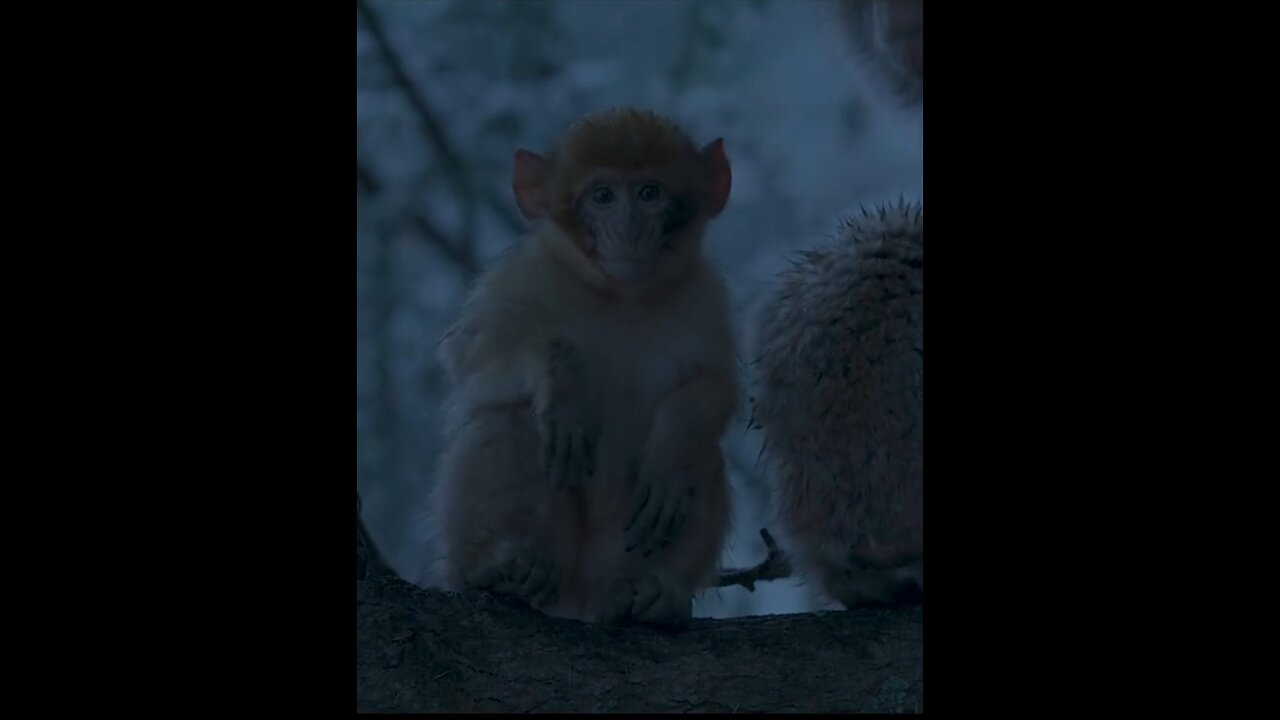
(426, 651)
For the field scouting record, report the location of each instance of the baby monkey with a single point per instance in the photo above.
(593, 379)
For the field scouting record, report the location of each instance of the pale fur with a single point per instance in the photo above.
(841, 404)
(659, 368)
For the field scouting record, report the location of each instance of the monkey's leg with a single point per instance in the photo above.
(673, 466)
(654, 597)
(498, 510)
(659, 588)
(880, 568)
(858, 584)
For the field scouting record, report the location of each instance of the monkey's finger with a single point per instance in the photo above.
(484, 578)
(589, 454)
(571, 461)
(664, 514)
(534, 583)
(560, 459)
(639, 509)
(614, 603)
(642, 529)
(668, 535)
(520, 574)
(548, 445)
(581, 467)
(647, 593)
(549, 592)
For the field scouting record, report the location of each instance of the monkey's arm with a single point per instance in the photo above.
(492, 352)
(686, 430)
(512, 358)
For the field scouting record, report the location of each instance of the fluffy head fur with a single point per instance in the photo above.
(617, 139)
(840, 401)
(630, 245)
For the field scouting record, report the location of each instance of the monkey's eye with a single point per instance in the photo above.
(602, 195)
(650, 192)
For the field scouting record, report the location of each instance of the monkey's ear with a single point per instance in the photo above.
(529, 180)
(720, 180)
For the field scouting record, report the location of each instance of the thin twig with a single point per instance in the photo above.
(432, 128)
(776, 566)
(365, 179)
(465, 261)
(448, 248)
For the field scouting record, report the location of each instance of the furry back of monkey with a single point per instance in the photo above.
(841, 403)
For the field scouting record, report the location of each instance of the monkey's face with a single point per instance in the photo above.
(629, 193)
(633, 224)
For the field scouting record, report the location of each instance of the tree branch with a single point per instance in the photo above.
(464, 260)
(432, 129)
(365, 179)
(775, 566)
(426, 651)
(448, 248)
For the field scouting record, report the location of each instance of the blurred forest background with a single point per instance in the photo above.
(446, 90)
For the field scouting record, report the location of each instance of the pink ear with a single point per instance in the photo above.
(528, 180)
(720, 180)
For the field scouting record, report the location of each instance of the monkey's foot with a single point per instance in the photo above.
(653, 599)
(533, 581)
(660, 511)
(569, 435)
(861, 585)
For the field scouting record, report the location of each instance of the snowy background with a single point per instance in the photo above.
(446, 90)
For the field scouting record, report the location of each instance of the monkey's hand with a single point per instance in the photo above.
(570, 431)
(663, 498)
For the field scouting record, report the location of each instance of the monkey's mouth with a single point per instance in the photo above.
(626, 268)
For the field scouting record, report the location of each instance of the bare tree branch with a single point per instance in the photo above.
(775, 566)
(424, 651)
(431, 126)
(365, 179)
(428, 230)
(432, 129)
(462, 259)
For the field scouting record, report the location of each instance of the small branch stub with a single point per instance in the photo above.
(776, 566)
